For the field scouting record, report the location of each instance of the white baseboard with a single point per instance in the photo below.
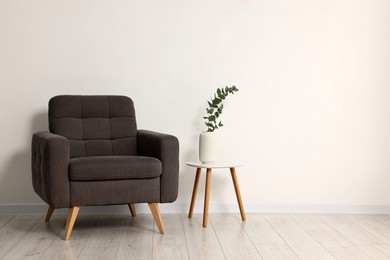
(182, 208)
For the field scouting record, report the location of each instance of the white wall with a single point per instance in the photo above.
(311, 122)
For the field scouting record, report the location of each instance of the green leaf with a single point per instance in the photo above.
(233, 89)
(219, 110)
(210, 111)
(216, 101)
(221, 94)
(215, 108)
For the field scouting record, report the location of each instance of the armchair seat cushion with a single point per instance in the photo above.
(101, 168)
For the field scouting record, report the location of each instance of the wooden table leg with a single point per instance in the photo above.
(206, 197)
(194, 191)
(238, 194)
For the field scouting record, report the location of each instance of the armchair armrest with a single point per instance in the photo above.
(165, 148)
(50, 156)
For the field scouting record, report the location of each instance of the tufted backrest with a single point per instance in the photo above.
(95, 125)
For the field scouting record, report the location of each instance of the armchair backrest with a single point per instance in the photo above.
(95, 125)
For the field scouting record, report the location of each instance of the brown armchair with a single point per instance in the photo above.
(94, 155)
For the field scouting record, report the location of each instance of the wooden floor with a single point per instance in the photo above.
(262, 236)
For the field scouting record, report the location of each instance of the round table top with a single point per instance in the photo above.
(213, 165)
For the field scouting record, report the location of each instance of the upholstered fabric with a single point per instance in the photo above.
(95, 125)
(94, 155)
(166, 149)
(97, 168)
(94, 193)
(49, 165)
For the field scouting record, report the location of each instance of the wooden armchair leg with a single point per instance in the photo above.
(132, 209)
(156, 215)
(72, 215)
(49, 213)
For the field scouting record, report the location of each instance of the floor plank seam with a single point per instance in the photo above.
(366, 230)
(357, 246)
(319, 217)
(318, 242)
(121, 237)
(6, 223)
(89, 235)
(292, 250)
(362, 228)
(55, 237)
(216, 235)
(384, 222)
(266, 236)
(185, 238)
(249, 237)
(153, 257)
(32, 227)
(91, 232)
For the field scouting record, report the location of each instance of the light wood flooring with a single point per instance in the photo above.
(262, 236)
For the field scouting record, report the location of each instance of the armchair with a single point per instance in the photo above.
(94, 154)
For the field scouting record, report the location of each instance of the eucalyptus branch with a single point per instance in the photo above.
(215, 108)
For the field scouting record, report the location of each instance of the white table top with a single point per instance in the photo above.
(213, 165)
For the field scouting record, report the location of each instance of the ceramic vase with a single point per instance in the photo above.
(208, 147)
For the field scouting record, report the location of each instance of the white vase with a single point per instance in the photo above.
(208, 147)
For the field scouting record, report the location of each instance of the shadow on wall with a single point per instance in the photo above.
(15, 183)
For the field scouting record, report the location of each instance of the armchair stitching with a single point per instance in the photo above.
(109, 119)
(82, 125)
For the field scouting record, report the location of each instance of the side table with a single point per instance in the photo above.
(209, 167)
